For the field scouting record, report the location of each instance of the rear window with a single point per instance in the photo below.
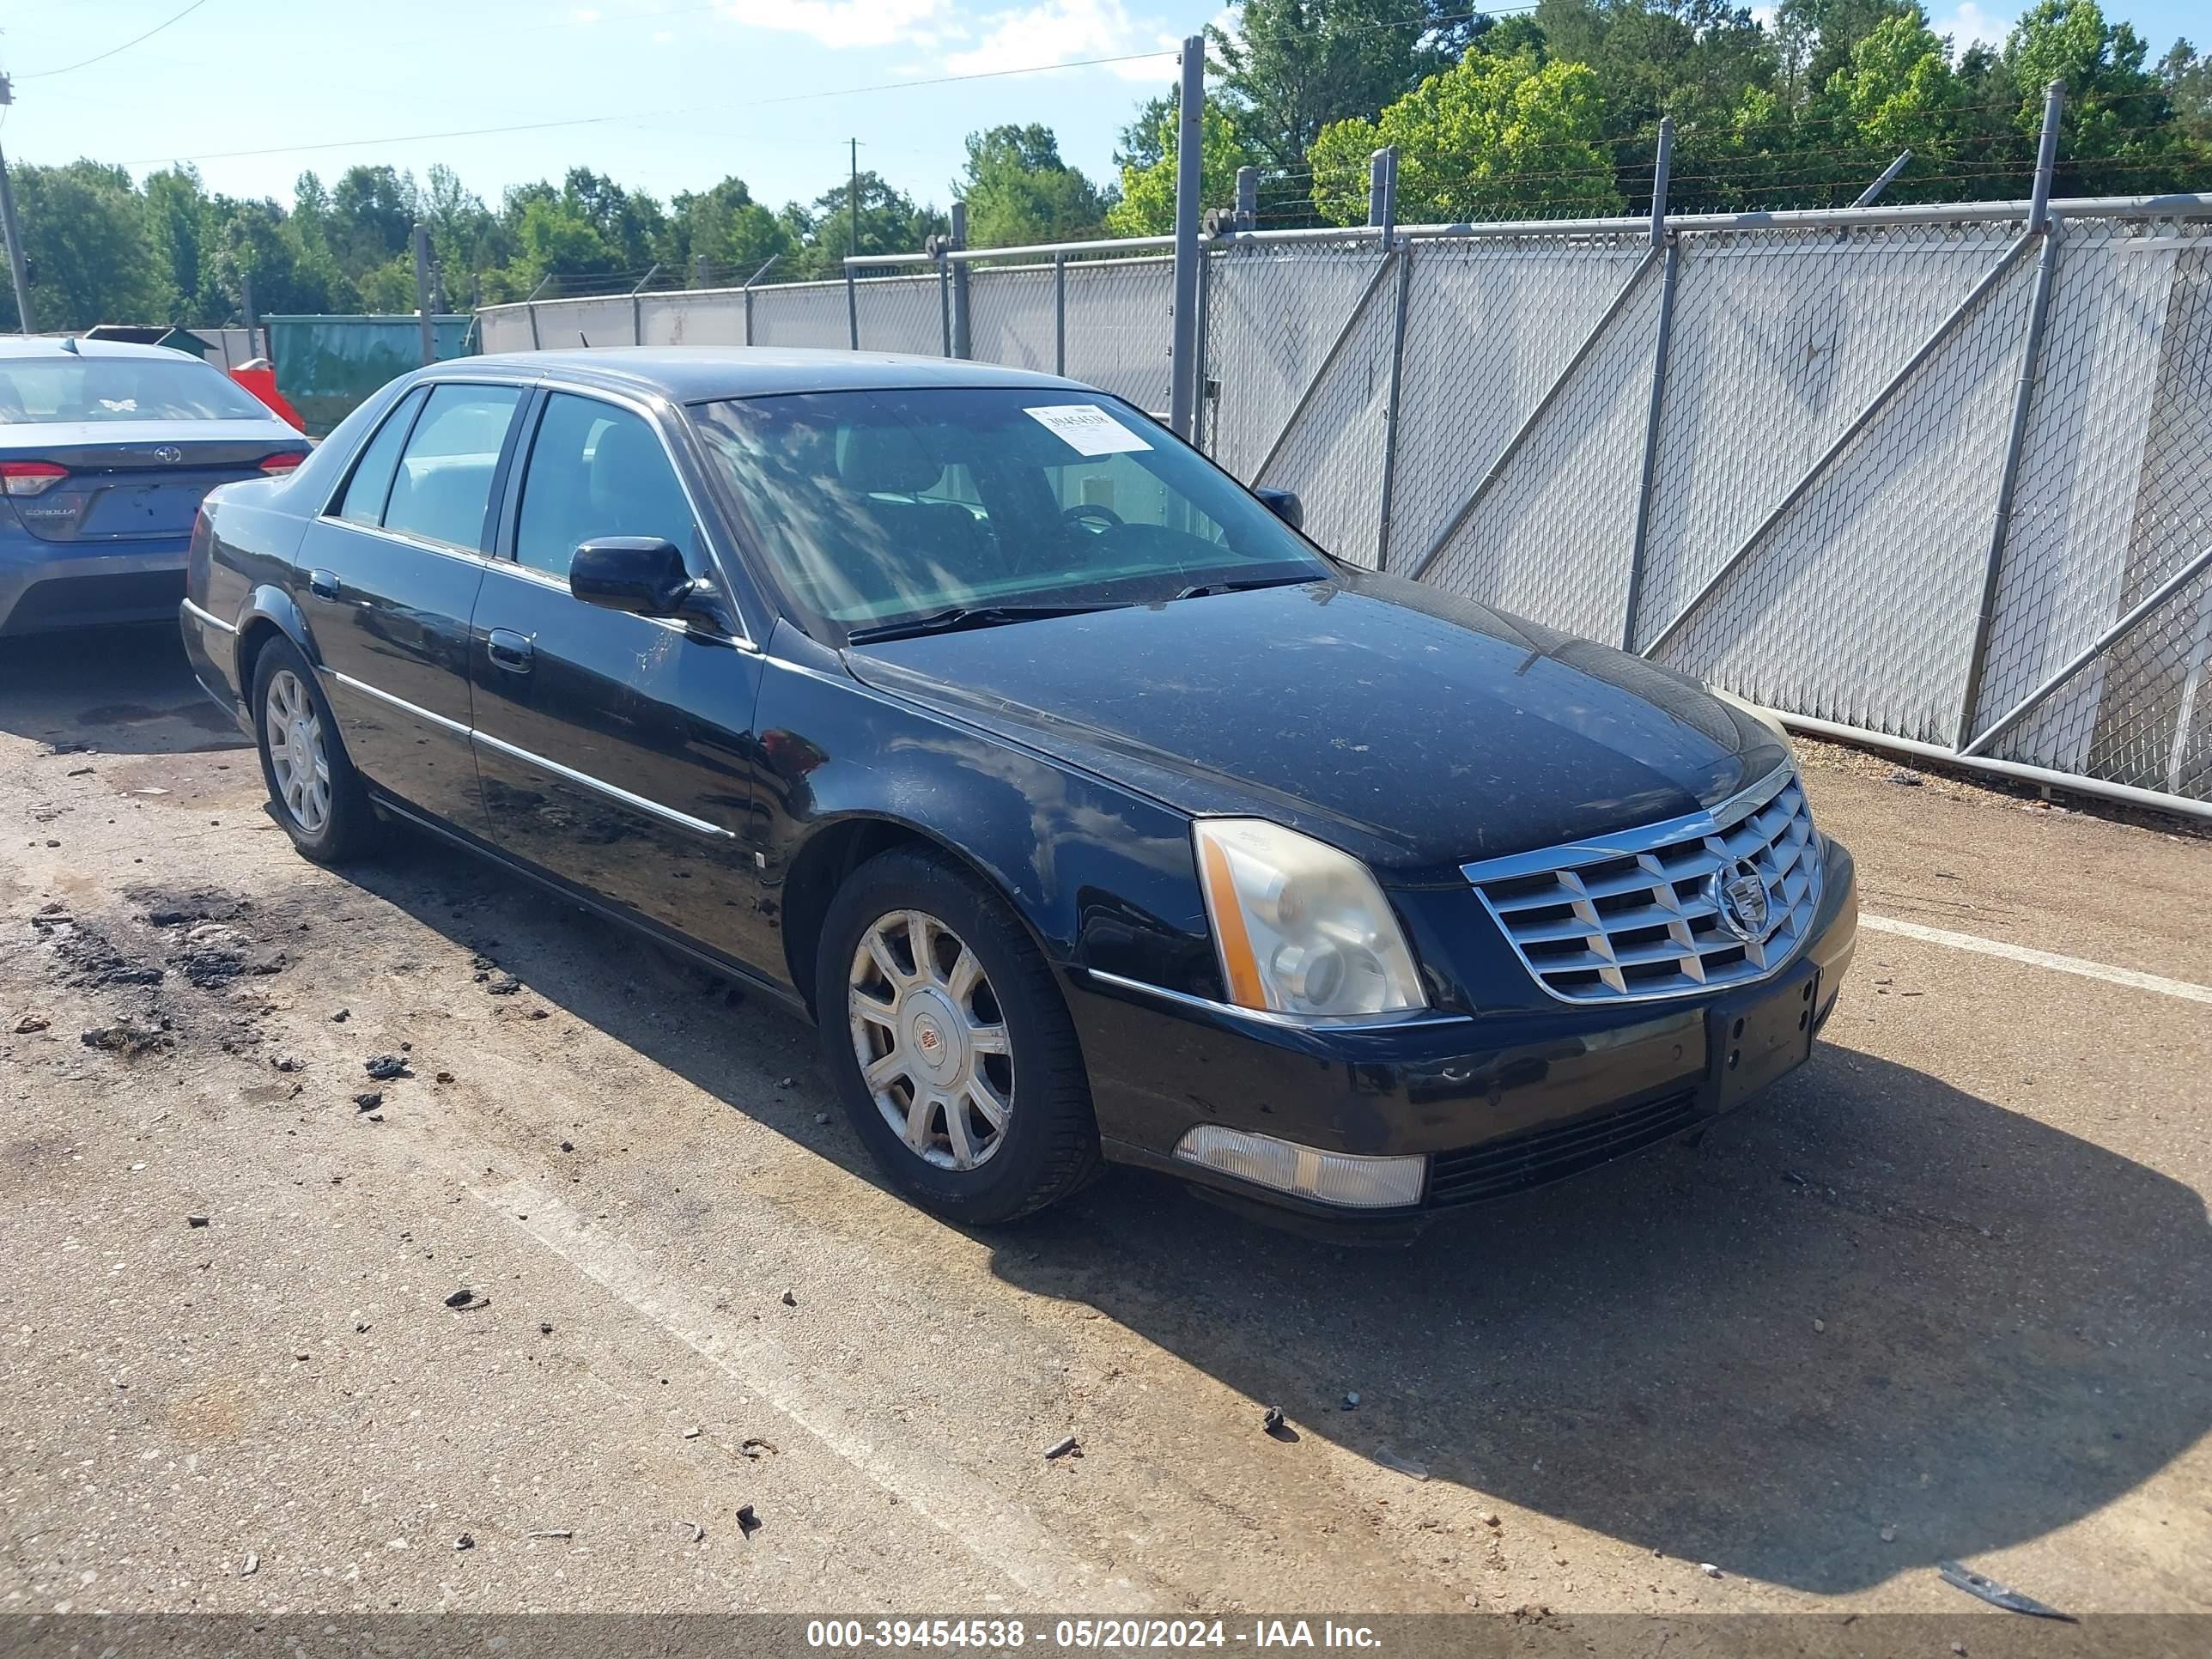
(69, 389)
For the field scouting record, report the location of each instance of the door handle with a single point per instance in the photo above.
(509, 650)
(323, 584)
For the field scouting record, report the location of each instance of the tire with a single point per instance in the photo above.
(970, 1171)
(331, 822)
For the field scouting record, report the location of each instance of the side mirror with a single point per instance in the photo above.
(644, 575)
(1284, 505)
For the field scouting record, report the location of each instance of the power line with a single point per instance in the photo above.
(87, 63)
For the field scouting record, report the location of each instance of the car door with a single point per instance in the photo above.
(615, 750)
(388, 580)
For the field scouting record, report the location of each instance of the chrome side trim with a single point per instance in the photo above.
(1627, 843)
(208, 618)
(400, 703)
(684, 820)
(1267, 1016)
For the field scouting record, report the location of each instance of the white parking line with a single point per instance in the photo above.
(976, 1516)
(2051, 959)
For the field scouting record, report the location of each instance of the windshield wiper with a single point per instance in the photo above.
(1244, 585)
(956, 617)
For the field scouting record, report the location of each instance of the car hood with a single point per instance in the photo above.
(1419, 730)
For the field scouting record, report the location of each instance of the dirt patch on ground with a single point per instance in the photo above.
(169, 972)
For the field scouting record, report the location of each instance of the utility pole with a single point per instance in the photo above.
(421, 240)
(855, 199)
(14, 231)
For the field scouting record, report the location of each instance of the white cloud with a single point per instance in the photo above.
(585, 15)
(848, 22)
(662, 37)
(1968, 22)
(1065, 31)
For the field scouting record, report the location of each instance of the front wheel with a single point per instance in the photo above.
(315, 792)
(950, 1045)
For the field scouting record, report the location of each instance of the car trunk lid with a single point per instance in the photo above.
(128, 482)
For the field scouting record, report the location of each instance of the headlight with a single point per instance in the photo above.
(1302, 928)
(1765, 717)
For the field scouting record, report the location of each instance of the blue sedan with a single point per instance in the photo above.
(105, 450)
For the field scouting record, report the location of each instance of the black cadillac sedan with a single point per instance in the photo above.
(1090, 811)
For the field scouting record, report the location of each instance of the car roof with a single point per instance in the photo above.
(705, 374)
(37, 345)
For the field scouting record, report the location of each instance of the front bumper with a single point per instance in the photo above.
(1499, 1104)
(46, 587)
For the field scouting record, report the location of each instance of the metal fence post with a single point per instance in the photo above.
(852, 307)
(637, 306)
(699, 271)
(530, 305)
(1390, 409)
(1060, 313)
(1248, 198)
(962, 338)
(1383, 191)
(1662, 172)
(943, 304)
(423, 293)
(1205, 294)
(1182, 356)
(1868, 196)
(2031, 358)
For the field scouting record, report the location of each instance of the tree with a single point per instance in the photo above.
(1290, 68)
(1495, 136)
(2117, 134)
(1019, 190)
(84, 233)
(372, 214)
(1148, 192)
(888, 223)
(724, 225)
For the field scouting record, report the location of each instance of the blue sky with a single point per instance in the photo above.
(666, 94)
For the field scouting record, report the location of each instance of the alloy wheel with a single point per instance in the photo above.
(297, 755)
(931, 1040)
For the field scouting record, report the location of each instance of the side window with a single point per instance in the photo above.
(364, 497)
(443, 482)
(596, 469)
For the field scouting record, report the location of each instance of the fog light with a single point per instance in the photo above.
(1361, 1183)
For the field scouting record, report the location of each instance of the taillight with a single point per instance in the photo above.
(282, 463)
(30, 478)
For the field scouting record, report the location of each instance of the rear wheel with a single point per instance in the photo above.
(317, 795)
(950, 1045)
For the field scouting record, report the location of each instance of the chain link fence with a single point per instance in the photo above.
(1934, 477)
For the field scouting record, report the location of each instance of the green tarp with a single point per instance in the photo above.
(329, 366)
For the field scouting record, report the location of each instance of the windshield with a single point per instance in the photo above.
(879, 508)
(90, 388)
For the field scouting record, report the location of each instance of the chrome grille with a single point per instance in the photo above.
(1641, 914)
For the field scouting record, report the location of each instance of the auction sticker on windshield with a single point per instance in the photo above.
(1087, 428)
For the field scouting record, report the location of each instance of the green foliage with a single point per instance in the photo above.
(1493, 136)
(85, 237)
(1290, 68)
(1148, 192)
(1019, 190)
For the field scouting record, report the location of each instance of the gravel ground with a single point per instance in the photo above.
(1946, 1292)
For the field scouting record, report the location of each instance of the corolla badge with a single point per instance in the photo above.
(1740, 898)
(167, 454)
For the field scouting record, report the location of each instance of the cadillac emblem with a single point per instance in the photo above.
(1740, 899)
